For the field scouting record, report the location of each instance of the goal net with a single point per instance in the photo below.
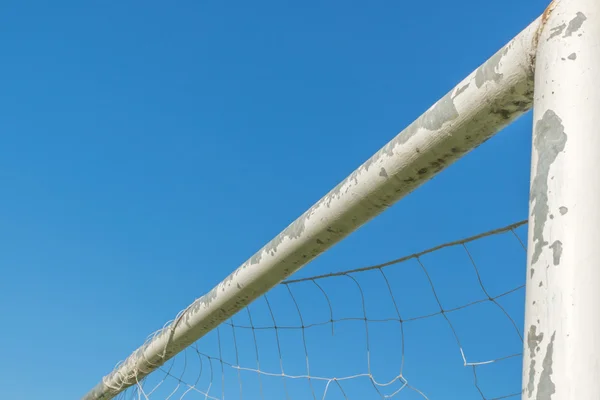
(442, 323)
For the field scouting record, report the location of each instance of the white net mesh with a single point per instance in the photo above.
(441, 324)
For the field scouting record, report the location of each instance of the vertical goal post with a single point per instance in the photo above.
(562, 312)
(490, 98)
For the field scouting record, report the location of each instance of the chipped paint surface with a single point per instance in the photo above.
(544, 20)
(534, 339)
(562, 297)
(557, 250)
(533, 343)
(549, 140)
(575, 24)
(557, 31)
(546, 387)
(531, 380)
(489, 71)
(494, 95)
(460, 90)
(563, 210)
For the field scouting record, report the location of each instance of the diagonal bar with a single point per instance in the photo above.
(491, 97)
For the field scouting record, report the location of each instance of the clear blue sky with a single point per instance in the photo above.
(148, 148)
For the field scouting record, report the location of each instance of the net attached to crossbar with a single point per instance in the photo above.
(442, 323)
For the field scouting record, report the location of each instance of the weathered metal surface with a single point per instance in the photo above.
(562, 350)
(491, 97)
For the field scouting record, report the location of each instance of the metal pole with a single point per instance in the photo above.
(562, 350)
(491, 97)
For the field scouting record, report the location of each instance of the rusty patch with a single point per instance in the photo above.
(548, 11)
(545, 18)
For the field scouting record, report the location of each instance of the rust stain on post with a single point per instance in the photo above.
(545, 18)
(548, 11)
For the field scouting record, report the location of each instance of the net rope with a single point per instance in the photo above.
(345, 334)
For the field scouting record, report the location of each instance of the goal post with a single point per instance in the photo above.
(562, 319)
(491, 97)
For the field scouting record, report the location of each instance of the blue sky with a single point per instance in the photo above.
(149, 148)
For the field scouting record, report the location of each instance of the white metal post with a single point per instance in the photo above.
(562, 350)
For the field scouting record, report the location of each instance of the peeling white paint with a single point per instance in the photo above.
(563, 299)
